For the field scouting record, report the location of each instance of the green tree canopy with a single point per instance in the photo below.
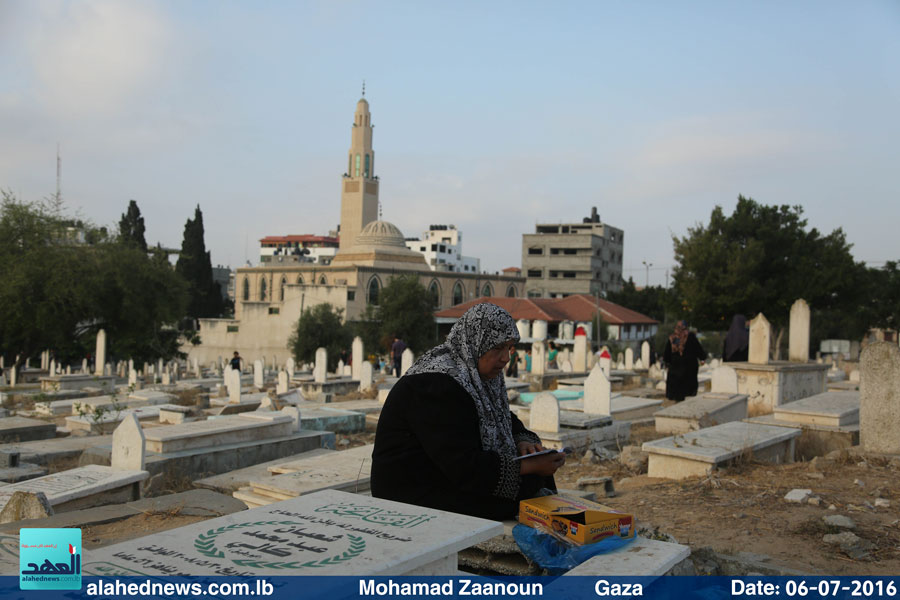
(655, 301)
(320, 327)
(761, 259)
(195, 266)
(58, 291)
(405, 309)
(131, 227)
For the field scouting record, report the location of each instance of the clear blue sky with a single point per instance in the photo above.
(493, 116)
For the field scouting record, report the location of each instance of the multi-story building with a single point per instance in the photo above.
(298, 248)
(442, 247)
(561, 259)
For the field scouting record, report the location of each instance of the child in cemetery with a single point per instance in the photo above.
(682, 356)
(446, 438)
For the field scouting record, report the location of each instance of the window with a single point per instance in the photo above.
(422, 248)
(554, 250)
(554, 273)
(569, 251)
(263, 288)
(372, 292)
(537, 273)
(351, 295)
(357, 165)
(487, 290)
(323, 280)
(366, 171)
(283, 285)
(534, 293)
(569, 274)
(511, 291)
(457, 293)
(231, 329)
(435, 290)
(535, 251)
(300, 279)
(274, 310)
(434, 247)
(246, 293)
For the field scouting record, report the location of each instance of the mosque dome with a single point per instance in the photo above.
(380, 234)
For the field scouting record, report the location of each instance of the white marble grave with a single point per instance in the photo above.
(704, 410)
(215, 432)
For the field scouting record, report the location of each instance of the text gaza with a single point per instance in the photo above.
(605, 588)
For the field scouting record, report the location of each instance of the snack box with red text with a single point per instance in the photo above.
(579, 520)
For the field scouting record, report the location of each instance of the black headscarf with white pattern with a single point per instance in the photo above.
(482, 327)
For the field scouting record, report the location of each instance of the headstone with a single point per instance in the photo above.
(580, 354)
(879, 390)
(406, 361)
(128, 445)
(629, 359)
(68, 369)
(724, 380)
(645, 354)
(340, 367)
(597, 392)
(356, 357)
(84, 365)
(100, 353)
(197, 372)
(294, 413)
(563, 356)
(282, 387)
(52, 368)
(258, 379)
(544, 413)
(132, 377)
(760, 334)
(798, 344)
(289, 367)
(12, 376)
(638, 364)
(565, 367)
(605, 362)
(234, 386)
(538, 358)
(321, 368)
(166, 378)
(365, 376)
(26, 505)
(620, 365)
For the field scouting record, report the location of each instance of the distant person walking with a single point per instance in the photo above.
(682, 357)
(512, 368)
(737, 341)
(397, 349)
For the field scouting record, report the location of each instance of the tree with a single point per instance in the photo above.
(655, 301)
(761, 259)
(131, 227)
(320, 327)
(405, 309)
(195, 266)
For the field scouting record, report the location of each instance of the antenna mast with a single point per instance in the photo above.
(58, 174)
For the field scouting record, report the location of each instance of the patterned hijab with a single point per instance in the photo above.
(482, 327)
(679, 337)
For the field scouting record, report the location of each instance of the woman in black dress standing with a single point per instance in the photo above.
(682, 357)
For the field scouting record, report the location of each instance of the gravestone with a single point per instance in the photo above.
(629, 359)
(233, 381)
(406, 361)
(760, 335)
(597, 393)
(12, 376)
(282, 387)
(26, 505)
(258, 378)
(638, 364)
(340, 367)
(132, 377)
(294, 413)
(580, 355)
(128, 445)
(879, 389)
(605, 362)
(645, 354)
(538, 358)
(84, 365)
(544, 413)
(289, 366)
(565, 367)
(74, 486)
(798, 344)
(244, 427)
(724, 380)
(563, 356)
(321, 369)
(621, 364)
(100, 353)
(324, 533)
(52, 367)
(356, 354)
(365, 376)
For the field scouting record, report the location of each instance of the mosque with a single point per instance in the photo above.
(270, 298)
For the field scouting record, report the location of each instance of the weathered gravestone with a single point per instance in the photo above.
(258, 375)
(544, 413)
(538, 358)
(365, 376)
(760, 335)
(879, 389)
(597, 392)
(724, 380)
(356, 354)
(406, 361)
(579, 356)
(100, 353)
(629, 359)
(128, 445)
(282, 386)
(798, 344)
(320, 372)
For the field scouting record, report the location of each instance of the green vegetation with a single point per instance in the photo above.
(195, 267)
(406, 309)
(320, 327)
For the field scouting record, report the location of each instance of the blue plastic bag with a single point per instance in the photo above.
(556, 556)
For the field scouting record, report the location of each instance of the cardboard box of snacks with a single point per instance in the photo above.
(579, 520)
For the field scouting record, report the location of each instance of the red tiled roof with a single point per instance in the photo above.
(283, 239)
(512, 270)
(578, 307)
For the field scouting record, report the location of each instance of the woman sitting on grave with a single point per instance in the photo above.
(446, 438)
(682, 357)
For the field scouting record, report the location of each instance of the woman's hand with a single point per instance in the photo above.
(545, 464)
(528, 448)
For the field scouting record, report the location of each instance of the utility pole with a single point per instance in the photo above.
(647, 265)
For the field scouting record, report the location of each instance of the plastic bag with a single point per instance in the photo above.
(557, 556)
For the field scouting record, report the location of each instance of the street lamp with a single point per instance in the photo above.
(647, 265)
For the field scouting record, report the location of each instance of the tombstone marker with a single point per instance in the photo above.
(760, 335)
(597, 392)
(128, 445)
(798, 344)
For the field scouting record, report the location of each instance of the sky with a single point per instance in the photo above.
(493, 116)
